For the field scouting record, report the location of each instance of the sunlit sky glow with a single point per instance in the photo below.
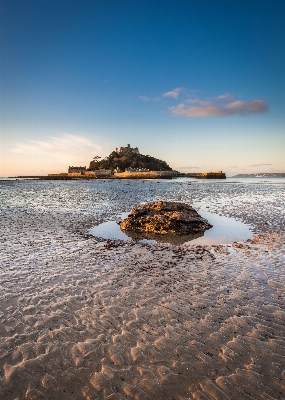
(199, 84)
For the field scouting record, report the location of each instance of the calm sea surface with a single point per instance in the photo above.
(228, 180)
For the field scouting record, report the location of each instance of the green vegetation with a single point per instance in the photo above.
(129, 160)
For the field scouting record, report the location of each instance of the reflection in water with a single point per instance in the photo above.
(225, 230)
(138, 236)
(109, 230)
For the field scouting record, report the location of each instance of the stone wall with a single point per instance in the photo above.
(212, 175)
(207, 175)
(103, 172)
(144, 175)
(74, 174)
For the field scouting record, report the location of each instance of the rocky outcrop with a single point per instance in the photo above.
(126, 159)
(164, 218)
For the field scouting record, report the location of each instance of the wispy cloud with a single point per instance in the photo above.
(224, 96)
(223, 105)
(173, 93)
(259, 165)
(219, 107)
(65, 149)
(146, 98)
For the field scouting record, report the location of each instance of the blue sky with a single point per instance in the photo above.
(199, 84)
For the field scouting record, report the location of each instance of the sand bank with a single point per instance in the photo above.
(84, 318)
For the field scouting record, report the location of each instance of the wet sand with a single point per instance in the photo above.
(85, 318)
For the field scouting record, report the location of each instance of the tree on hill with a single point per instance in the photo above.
(129, 160)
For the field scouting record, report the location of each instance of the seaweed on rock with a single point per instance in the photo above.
(164, 217)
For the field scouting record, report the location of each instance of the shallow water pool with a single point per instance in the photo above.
(225, 230)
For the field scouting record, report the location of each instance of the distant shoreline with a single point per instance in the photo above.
(77, 178)
(261, 175)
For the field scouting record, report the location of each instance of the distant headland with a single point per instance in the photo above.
(261, 175)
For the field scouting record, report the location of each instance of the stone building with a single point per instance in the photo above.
(127, 149)
(136, 170)
(103, 172)
(76, 169)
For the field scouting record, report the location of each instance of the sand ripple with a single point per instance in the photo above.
(82, 319)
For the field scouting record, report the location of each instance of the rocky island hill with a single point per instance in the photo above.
(130, 160)
(128, 163)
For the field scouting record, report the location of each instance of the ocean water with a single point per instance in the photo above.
(230, 179)
(250, 180)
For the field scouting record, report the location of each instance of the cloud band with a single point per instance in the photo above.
(210, 109)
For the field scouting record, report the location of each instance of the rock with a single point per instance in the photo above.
(164, 218)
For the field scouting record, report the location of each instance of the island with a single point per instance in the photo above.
(126, 163)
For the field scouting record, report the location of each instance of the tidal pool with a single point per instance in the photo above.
(225, 230)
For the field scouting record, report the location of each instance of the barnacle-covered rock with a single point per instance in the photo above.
(163, 218)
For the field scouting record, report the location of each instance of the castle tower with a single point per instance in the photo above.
(127, 149)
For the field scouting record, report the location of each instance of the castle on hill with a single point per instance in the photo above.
(127, 162)
(127, 149)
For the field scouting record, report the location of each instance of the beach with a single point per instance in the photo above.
(87, 318)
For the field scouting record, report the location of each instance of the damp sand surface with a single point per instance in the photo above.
(86, 318)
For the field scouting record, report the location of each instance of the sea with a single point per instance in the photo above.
(266, 180)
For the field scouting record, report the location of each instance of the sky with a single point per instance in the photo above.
(199, 84)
